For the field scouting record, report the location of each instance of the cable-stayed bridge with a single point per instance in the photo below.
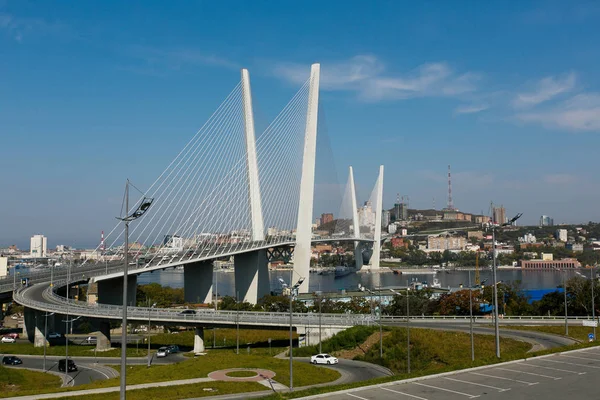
(230, 192)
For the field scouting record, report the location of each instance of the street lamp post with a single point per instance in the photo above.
(362, 288)
(471, 318)
(494, 268)
(320, 302)
(46, 315)
(593, 276)
(292, 289)
(566, 310)
(143, 206)
(407, 327)
(149, 358)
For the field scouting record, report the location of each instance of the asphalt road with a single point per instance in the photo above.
(570, 375)
(353, 371)
(539, 340)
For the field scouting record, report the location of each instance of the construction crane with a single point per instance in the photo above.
(477, 279)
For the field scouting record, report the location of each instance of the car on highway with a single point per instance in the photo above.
(8, 339)
(323, 359)
(187, 312)
(11, 360)
(173, 349)
(70, 365)
(162, 352)
(54, 335)
(91, 340)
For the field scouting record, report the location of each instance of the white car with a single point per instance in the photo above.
(54, 335)
(8, 339)
(162, 352)
(323, 359)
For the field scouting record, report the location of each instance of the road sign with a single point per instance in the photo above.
(591, 337)
(590, 323)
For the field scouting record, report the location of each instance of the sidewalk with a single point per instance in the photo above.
(113, 389)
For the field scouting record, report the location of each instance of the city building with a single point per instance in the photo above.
(561, 234)
(39, 246)
(498, 215)
(528, 238)
(385, 218)
(399, 242)
(475, 235)
(551, 264)
(325, 218)
(366, 215)
(546, 221)
(392, 228)
(446, 243)
(574, 246)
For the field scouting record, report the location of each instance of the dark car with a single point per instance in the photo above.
(173, 349)
(11, 360)
(187, 312)
(70, 363)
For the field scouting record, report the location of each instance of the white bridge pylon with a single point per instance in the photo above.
(235, 192)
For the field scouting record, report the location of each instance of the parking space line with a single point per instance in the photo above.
(447, 390)
(405, 394)
(569, 363)
(358, 397)
(477, 384)
(503, 378)
(529, 373)
(554, 369)
(581, 358)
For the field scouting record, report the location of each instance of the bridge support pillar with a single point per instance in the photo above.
(302, 252)
(102, 334)
(311, 334)
(111, 291)
(199, 340)
(198, 282)
(378, 209)
(251, 276)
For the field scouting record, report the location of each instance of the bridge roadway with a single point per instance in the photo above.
(111, 270)
(41, 297)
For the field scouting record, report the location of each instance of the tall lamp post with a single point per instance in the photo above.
(149, 358)
(407, 327)
(494, 268)
(592, 283)
(362, 288)
(139, 211)
(292, 289)
(46, 315)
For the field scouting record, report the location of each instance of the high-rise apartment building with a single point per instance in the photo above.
(499, 215)
(325, 218)
(546, 221)
(39, 246)
(561, 234)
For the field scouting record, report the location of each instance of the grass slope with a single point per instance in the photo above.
(577, 332)
(15, 381)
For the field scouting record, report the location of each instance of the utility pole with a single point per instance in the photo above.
(471, 318)
(407, 330)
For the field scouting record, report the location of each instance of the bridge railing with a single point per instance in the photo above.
(60, 304)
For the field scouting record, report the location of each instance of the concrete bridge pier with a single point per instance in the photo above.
(251, 276)
(198, 282)
(311, 334)
(110, 291)
(199, 340)
(33, 327)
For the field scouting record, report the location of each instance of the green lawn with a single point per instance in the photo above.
(74, 350)
(178, 392)
(224, 338)
(576, 332)
(201, 366)
(14, 381)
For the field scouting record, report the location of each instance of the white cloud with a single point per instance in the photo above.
(156, 59)
(546, 89)
(560, 179)
(17, 27)
(470, 109)
(579, 113)
(365, 75)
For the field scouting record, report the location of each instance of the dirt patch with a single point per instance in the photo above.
(362, 349)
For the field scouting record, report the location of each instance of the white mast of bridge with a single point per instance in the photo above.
(258, 231)
(358, 260)
(302, 250)
(378, 210)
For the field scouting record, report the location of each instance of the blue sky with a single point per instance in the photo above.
(508, 93)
